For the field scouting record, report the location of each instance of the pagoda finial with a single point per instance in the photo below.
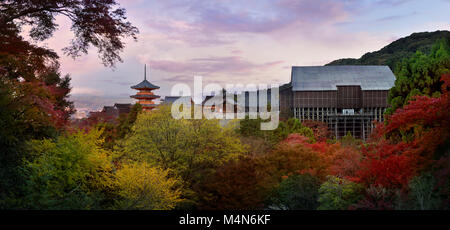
(145, 71)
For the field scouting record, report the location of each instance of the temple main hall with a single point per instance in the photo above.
(347, 98)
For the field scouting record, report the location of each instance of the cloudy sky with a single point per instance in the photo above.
(242, 41)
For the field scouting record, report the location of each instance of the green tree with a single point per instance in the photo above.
(24, 115)
(420, 75)
(338, 194)
(423, 192)
(349, 140)
(115, 131)
(292, 125)
(191, 149)
(160, 140)
(126, 121)
(68, 173)
(252, 128)
(296, 192)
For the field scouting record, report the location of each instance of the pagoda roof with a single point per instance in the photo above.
(145, 96)
(145, 85)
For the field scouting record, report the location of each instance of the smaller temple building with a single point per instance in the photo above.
(145, 96)
(110, 113)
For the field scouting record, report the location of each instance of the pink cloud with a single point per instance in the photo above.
(236, 51)
(183, 32)
(206, 22)
(230, 64)
(285, 13)
(86, 91)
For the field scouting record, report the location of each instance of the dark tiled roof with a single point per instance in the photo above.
(170, 99)
(221, 99)
(123, 108)
(118, 105)
(110, 111)
(145, 85)
(285, 86)
(207, 98)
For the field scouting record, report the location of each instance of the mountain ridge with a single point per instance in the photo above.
(397, 50)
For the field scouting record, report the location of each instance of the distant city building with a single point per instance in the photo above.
(145, 95)
(347, 98)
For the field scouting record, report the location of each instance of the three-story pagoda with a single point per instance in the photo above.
(145, 96)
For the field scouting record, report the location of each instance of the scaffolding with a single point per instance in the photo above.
(359, 124)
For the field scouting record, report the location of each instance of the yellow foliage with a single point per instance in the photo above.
(143, 187)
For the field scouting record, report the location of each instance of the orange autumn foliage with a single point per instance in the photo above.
(332, 159)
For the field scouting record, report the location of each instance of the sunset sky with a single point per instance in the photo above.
(251, 41)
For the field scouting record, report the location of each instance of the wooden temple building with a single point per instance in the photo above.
(347, 98)
(145, 96)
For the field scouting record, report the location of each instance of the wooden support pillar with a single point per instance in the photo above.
(304, 113)
(300, 115)
(336, 134)
(316, 114)
(323, 114)
(376, 114)
(363, 129)
(345, 126)
(353, 127)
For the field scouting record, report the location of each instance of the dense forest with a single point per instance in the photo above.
(149, 160)
(395, 52)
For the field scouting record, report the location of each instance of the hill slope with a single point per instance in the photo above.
(393, 53)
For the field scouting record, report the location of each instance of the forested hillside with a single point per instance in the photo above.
(396, 51)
